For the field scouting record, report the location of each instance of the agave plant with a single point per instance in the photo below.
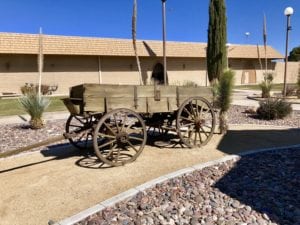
(35, 105)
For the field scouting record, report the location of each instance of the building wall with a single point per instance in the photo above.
(67, 71)
(292, 72)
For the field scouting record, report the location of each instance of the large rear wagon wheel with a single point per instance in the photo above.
(119, 137)
(80, 128)
(195, 122)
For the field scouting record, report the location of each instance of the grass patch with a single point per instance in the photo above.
(10, 107)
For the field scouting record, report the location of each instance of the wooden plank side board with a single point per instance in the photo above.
(94, 104)
(117, 103)
(157, 106)
(141, 99)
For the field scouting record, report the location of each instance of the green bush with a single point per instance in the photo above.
(266, 85)
(35, 106)
(273, 109)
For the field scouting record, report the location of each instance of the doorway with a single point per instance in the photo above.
(158, 74)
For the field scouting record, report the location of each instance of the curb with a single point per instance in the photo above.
(133, 191)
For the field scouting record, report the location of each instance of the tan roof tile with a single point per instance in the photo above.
(14, 43)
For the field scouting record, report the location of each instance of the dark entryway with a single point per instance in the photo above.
(158, 74)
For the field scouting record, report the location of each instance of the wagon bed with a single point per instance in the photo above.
(99, 98)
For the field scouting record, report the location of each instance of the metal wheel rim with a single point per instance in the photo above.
(195, 122)
(119, 137)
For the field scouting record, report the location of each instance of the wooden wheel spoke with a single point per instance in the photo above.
(106, 135)
(188, 112)
(132, 146)
(136, 138)
(108, 127)
(188, 124)
(124, 122)
(78, 126)
(129, 125)
(200, 138)
(197, 112)
(118, 156)
(116, 123)
(207, 111)
(195, 138)
(203, 125)
(188, 119)
(204, 131)
(192, 109)
(111, 151)
(82, 122)
(106, 144)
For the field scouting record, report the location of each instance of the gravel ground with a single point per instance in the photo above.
(13, 136)
(18, 135)
(259, 189)
(232, 193)
(239, 115)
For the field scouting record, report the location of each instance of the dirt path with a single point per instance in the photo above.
(56, 184)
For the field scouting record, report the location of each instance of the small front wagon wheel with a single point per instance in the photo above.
(195, 122)
(119, 137)
(81, 128)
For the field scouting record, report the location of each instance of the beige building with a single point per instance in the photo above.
(69, 61)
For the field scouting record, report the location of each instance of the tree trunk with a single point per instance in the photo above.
(223, 122)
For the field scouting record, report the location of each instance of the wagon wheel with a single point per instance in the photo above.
(81, 127)
(195, 122)
(119, 137)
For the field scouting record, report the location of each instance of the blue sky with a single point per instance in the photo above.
(186, 20)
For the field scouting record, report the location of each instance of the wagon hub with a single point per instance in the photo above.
(122, 138)
(198, 123)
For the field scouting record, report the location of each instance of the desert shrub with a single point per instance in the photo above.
(291, 90)
(224, 97)
(273, 109)
(27, 89)
(266, 85)
(35, 106)
(189, 83)
(33, 88)
(186, 83)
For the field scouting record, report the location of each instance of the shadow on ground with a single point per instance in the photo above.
(267, 182)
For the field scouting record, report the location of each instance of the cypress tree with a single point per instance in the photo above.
(216, 53)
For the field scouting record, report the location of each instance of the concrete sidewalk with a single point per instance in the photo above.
(59, 183)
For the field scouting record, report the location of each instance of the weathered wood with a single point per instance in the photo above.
(142, 99)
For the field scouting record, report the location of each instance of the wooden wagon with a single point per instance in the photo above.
(116, 118)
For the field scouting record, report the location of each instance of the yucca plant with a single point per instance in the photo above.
(224, 98)
(35, 105)
(266, 85)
